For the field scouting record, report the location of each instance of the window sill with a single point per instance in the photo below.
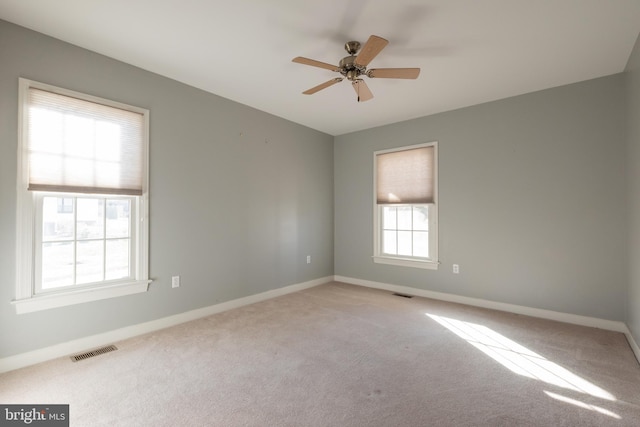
(406, 262)
(78, 296)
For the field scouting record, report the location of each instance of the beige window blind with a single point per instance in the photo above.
(80, 146)
(405, 176)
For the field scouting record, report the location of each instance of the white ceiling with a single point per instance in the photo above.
(470, 51)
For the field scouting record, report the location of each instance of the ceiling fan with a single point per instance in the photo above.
(355, 67)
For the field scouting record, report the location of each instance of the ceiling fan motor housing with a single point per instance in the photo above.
(350, 69)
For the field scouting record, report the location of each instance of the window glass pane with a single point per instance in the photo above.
(421, 244)
(90, 258)
(57, 219)
(57, 264)
(389, 245)
(421, 218)
(98, 229)
(404, 243)
(90, 220)
(389, 217)
(404, 218)
(65, 204)
(118, 213)
(117, 260)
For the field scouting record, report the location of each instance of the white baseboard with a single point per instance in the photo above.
(575, 319)
(82, 344)
(633, 344)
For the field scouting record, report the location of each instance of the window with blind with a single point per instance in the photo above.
(82, 198)
(405, 206)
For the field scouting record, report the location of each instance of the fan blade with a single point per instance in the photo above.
(394, 73)
(370, 50)
(322, 86)
(363, 91)
(314, 63)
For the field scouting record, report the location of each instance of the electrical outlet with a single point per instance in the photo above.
(308, 259)
(175, 282)
(456, 268)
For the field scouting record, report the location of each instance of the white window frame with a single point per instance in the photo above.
(430, 263)
(27, 300)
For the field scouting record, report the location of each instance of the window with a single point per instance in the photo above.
(82, 230)
(405, 206)
(89, 243)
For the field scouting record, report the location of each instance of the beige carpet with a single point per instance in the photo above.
(342, 355)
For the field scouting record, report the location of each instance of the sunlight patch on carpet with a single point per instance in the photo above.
(518, 358)
(580, 404)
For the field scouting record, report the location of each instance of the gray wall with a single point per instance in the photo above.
(233, 214)
(633, 118)
(532, 200)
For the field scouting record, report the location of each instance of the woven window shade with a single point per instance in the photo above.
(405, 176)
(80, 146)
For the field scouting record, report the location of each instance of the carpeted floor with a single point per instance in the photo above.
(343, 355)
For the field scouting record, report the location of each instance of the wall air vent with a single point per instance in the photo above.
(92, 353)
